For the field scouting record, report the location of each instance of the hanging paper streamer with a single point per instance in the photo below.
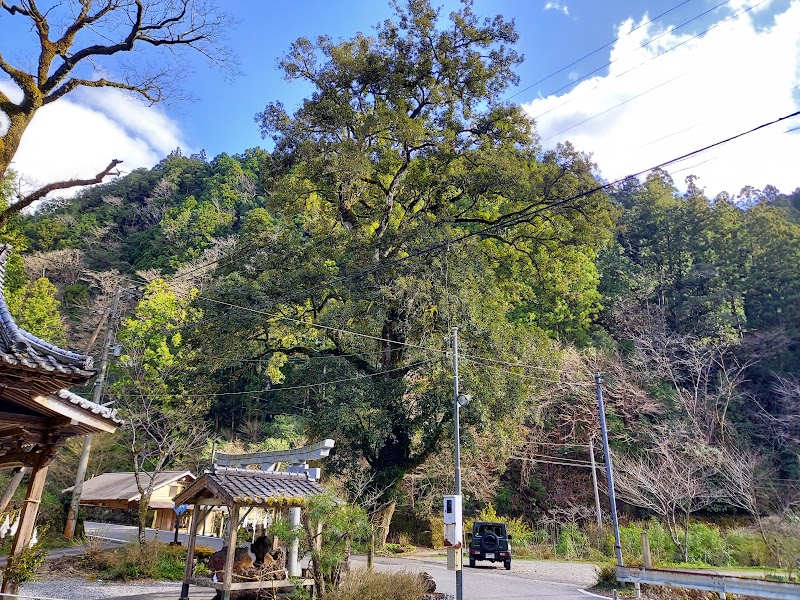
(5, 528)
(34, 538)
(15, 526)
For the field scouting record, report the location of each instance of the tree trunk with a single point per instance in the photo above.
(686, 539)
(383, 519)
(315, 548)
(144, 503)
(674, 534)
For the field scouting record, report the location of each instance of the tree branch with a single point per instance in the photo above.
(26, 201)
(150, 92)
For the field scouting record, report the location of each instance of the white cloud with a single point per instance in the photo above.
(80, 134)
(559, 6)
(733, 78)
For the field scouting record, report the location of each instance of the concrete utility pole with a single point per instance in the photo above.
(75, 502)
(456, 426)
(598, 379)
(594, 483)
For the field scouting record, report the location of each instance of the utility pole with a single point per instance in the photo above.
(74, 505)
(598, 379)
(456, 426)
(596, 491)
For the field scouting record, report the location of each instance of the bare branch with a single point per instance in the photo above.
(29, 199)
(149, 91)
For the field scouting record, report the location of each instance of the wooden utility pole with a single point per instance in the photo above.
(19, 473)
(83, 462)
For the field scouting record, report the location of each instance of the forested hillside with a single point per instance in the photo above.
(309, 291)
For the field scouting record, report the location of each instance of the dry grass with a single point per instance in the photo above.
(365, 585)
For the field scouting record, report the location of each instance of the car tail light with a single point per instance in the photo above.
(504, 554)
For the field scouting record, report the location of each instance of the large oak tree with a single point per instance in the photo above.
(403, 144)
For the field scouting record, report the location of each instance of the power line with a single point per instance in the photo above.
(660, 54)
(595, 51)
(600, 114)
(611, 62)
(519, 218)
(532, 377)
(326, 327)
(555, 462)
(282, 389)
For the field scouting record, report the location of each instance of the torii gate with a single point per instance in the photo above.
(297, 461)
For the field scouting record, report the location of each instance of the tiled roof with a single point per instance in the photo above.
(19, 348)
(122, 486)
(251, 487)
(96, 409)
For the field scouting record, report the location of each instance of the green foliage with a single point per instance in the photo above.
(25, 564)
(662, 550)
(35, 309)
(329, 527)
(76, 294)
(707, 546)
(131, 562)
(572, 542)
(361, 584)
(747, 549)
(607, 576)
(516, 527)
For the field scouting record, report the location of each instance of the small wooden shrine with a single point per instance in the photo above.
(240, 491)
(38, 412)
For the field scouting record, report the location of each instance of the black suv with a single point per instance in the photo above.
(489, 541)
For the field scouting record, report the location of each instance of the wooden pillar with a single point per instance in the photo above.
(646, 558)
(233, 531)
(12, 487)
(189, 570)
(27, 518)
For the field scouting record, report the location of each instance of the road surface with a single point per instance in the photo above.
(127, 533)
(486, 582)
(526, 579)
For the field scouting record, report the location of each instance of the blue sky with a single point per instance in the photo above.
(739, 74)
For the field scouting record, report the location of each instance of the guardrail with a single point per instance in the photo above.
(721, 584)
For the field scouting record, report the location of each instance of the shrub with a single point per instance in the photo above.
(76, 294)
(27, 562)
(572, 542)
(437, 532)
(154, 561)
(661, 547)
(607, 576)
(707, 546)
(517, 527)
(361, 584)
(203, 552)
(169, 566)
(747, 549)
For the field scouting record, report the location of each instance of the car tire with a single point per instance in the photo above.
(508, 565)
(490, 541)
(472, 563)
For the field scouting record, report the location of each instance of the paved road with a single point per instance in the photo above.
(485, 582)
(127, 533)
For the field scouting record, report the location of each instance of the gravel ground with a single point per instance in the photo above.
(80, 589)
